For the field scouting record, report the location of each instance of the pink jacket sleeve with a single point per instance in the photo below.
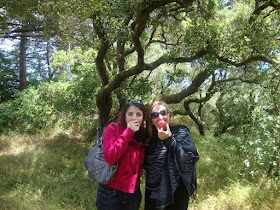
(114, 144)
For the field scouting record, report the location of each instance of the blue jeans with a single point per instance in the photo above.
(111, 199)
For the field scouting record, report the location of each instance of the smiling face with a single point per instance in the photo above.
(133, 113)
(163, 115)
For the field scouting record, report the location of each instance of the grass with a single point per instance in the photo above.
(49, 175)
(46, 171)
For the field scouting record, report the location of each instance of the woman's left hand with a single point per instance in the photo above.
(164, 134)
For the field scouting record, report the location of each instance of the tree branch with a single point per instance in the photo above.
(249, 60)
(260, 8)
(170, 59)
(193, 87)
(99, 61)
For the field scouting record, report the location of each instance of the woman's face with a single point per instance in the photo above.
(162, 114)
(134, 113)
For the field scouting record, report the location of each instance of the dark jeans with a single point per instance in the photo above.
(181, 199)
(111, 199)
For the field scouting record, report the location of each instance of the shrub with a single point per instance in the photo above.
(33, 108)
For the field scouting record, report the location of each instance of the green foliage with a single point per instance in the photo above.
(68, 103)
(28, 111)
(253, 114)
(139, 87)
(49, 103)
(85, 82)
(79, 67)
(172, 36)
(224, 31)
(37, 70)
(219, 161)
(262, 148)
(232, 111)
(8, 76)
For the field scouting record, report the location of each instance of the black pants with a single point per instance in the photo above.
(181, 199)
(109, 198)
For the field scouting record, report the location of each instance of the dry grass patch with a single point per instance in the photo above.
(233, 197)
(18, 143)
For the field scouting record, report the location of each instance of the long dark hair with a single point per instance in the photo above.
(141, 135)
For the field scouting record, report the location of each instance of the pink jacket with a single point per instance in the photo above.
(118, 144)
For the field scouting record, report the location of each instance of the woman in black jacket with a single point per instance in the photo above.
(170, 161)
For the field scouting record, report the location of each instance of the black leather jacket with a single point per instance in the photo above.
(168, 160)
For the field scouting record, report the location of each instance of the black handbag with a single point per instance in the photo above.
(96, 165)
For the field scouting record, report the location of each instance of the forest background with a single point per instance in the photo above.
(68, 66)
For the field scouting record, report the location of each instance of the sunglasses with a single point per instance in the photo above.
(136, 101)
(155, 115)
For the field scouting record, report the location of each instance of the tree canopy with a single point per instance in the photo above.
(224, 40)
(183, 47)
(216, 62)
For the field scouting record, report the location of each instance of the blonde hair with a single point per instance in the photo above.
(149, 119)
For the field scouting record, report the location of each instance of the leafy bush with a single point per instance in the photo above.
(27, 112)
(49, 103)
(263, 148)
(67, 103)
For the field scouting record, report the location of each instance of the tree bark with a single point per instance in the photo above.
(196, 119)
(48, 59)
(22, 64)
(193, 88)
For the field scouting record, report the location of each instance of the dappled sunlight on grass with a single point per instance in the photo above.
(220, 185)
(233, 197)
(239, 196)
(23, 196)
(50, 176)
(20, 143)
(48, 173)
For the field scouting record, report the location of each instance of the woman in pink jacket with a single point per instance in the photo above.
(124, 142)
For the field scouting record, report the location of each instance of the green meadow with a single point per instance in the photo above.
(46, 171)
